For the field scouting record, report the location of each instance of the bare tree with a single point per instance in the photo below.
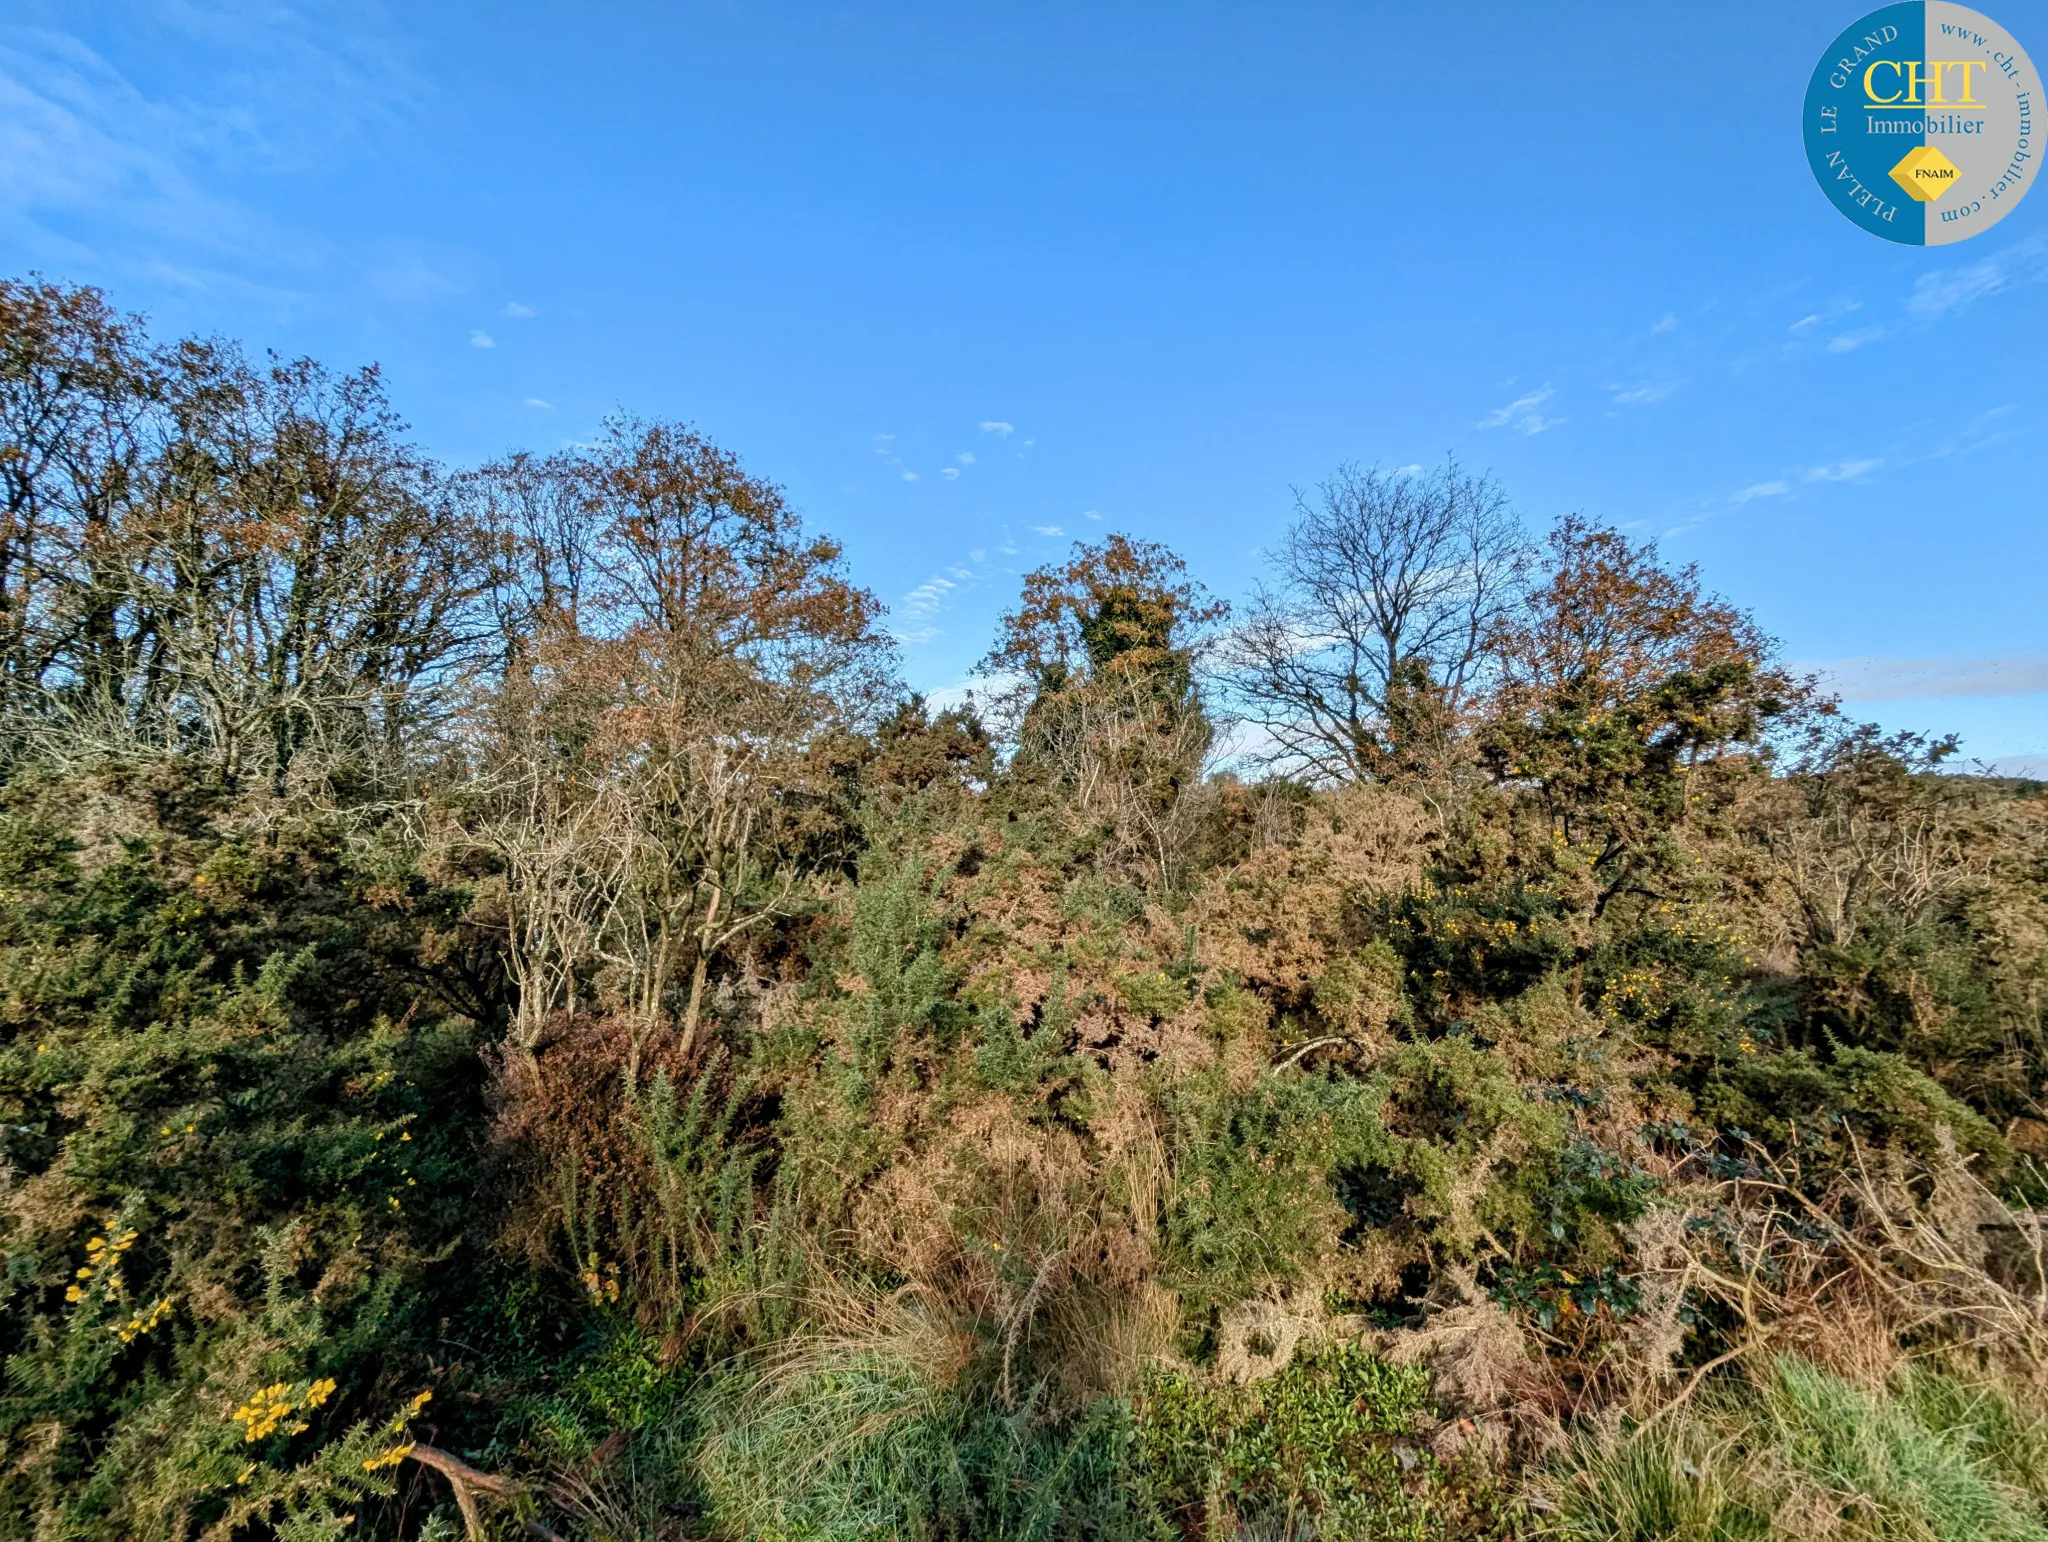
(1386, 588)
(1874, 835)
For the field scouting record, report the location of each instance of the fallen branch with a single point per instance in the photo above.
(468, 1482)
(1699, 1376)
(1322, 1043)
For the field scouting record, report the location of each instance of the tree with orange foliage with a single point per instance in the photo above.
(682, 660)
(1125, 608)
(244, 566)
(1627, 697)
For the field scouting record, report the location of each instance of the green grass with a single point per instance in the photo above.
(859, 1442)
(1807, 1455)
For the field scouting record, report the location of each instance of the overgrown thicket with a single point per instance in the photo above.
(510, 1020)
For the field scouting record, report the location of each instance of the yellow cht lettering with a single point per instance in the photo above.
(1905, 75)
(1937, 74)
(1907, 79)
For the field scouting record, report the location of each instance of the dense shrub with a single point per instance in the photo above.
(509, 1019)
(239, 1139)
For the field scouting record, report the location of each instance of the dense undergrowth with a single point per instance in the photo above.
(508, 1022)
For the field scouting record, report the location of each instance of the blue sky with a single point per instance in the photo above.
(972, 282)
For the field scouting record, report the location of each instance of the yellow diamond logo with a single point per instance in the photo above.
(1925, 173)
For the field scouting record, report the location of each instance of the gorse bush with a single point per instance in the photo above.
(238, 1135)
(511, 1021)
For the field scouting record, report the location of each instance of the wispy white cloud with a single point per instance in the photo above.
(1000, 430)
(77, 136)
(1665, 323)
(1992, 426)
(1842, 471)
(924, 601)
(1761, 490)
(965, 457)
(1933, 296)
(922, 606)
(1090, 514)
(1936, 294)
(535, 401)
(1501, 416)
(272, 88)
(950, 473)
(1891, 679)
(1521, 414)
(1047, 530)
(885, 453)
(516, 312)
(1643, 395)
(479, 338)
(1832, 311)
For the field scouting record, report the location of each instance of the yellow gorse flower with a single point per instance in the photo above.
(390, 1458)
(137, 1326)
(102, 1262)
(266, 1410)
(407, 1413)
(393, 1455)
(262, 1414)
